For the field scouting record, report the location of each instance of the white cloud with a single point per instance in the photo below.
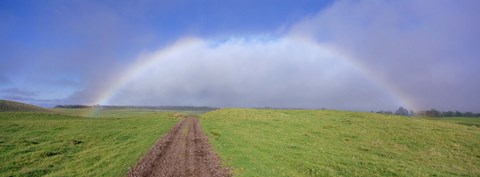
(283, 72)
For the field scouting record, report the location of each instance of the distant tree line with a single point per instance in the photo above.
(73, 106)
(430, 113)
(400, 111)
(436, 113)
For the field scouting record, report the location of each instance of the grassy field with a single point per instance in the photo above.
(335, 143)
(35, 144)
(120, 113)
(469, 121)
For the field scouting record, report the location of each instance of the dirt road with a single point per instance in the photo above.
(184, 151)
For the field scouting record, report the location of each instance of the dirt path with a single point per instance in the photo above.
(184, 151)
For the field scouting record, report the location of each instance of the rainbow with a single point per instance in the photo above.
(145, 63)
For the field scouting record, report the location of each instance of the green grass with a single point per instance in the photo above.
(469, 121)
(36, 144)
(336, 143)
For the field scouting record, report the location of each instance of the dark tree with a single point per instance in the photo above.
(447, 114)
(402, 111)
(432, 113)
(458, 114)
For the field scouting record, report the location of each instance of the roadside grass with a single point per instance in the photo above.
(37, 144)
(336, 143)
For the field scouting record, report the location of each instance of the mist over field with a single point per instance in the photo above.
(352, 55)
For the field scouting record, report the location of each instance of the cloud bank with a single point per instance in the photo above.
(425, 49)
(239, 72)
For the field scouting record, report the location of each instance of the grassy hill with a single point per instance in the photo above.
(13, 106)
(38, 144)
(336, 143)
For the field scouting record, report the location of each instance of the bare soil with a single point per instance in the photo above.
(184, 151)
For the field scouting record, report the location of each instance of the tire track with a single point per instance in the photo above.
(184, 151)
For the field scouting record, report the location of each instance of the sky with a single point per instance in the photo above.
(349, 55)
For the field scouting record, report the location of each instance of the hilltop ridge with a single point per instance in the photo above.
(13, 106)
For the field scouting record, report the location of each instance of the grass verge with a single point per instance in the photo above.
(37, 144)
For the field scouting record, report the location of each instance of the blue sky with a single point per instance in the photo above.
(409, 52)
(60, 32)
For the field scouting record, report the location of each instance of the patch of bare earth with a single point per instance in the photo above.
(184, 151)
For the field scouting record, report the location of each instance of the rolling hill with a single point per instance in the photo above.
(13, 106)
